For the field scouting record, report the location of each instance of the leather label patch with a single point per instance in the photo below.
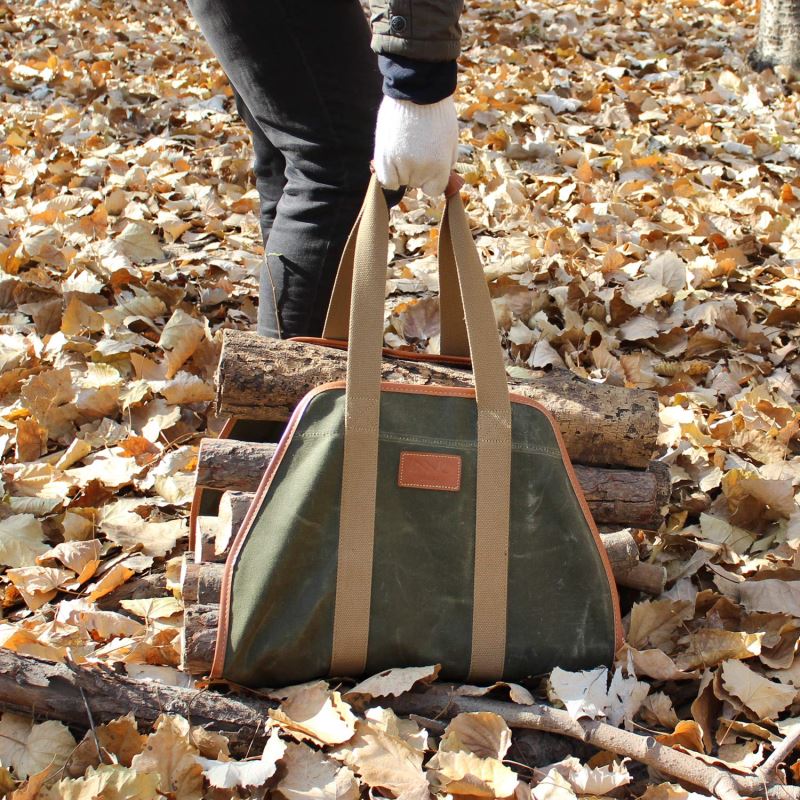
(429, 471)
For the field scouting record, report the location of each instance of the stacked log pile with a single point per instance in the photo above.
(610, 434)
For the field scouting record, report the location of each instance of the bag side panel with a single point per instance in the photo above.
(283, 577)
(562, 606)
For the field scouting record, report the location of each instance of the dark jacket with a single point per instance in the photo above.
(426, 30)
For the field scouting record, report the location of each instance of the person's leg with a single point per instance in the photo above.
(269, 167)
(307, 76)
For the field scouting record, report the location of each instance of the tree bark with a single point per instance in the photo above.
(260, 378)
(621, 497)
(232, 509)
(199, 638)
(232, 464)
(201, 583)
(778, 43)
(53, 691)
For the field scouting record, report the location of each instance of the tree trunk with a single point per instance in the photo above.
(778, 43)
(262, 378)
(53, 691)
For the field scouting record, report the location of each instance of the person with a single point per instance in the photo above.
(321, 101)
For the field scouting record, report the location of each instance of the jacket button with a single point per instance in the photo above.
(398, 24)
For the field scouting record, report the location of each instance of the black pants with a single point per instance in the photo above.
(308, 87)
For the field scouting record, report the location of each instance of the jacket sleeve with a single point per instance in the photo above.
(426, 30)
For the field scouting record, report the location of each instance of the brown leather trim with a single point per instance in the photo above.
(390, 352)
(429, 471)
(387, 386)
(194, 511)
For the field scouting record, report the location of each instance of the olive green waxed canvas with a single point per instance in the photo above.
(280, 598)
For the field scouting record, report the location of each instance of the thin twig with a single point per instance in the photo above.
(91, 724)
(769, 770)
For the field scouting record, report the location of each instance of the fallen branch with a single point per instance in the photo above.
(46, 689)
(442, 701)
(57, 691)
(769, 771)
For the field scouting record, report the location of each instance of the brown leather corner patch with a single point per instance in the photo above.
(429, 471)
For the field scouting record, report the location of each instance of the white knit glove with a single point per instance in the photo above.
(416, 145)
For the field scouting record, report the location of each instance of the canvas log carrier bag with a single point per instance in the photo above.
(406, 525)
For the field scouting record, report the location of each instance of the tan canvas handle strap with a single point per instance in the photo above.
(360, 465)
(359, 478)
(452, 328)
(337, 320)
(493, 487)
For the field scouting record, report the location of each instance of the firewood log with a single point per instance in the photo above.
(229, 464)
(624, 498)
(261, 378)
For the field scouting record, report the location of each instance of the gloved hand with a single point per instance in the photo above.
(416, 145)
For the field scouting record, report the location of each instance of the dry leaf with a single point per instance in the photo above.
(385, 762)
(21, 540)
(230, 774)
(585, 780)
(109, 782)
(153, 607)
(312, 776)
(38, 585)
(765, 698)
(314, 713)
(180, 337)
(518, 694)
(687, 735)
(553, 786)
(584, 694)
(169, 753)
(710, 646)
(485, 734)
(28, 748)
(82, 557)
(460, 773)
(119, 738)
(394, 682)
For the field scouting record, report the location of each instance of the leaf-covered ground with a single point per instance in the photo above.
(635, 192)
